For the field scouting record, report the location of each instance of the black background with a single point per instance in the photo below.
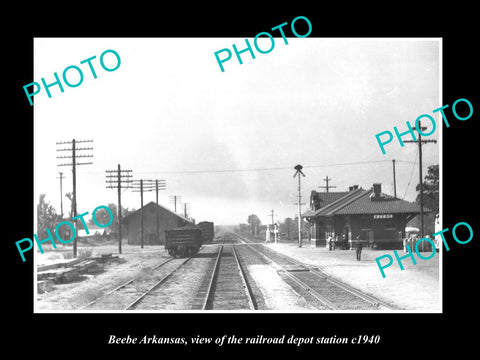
(62, 335)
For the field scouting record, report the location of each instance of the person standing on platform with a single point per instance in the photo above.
(359, 247)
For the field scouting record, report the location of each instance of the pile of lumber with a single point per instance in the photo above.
(70, 270)
(59, 272)
(105, 258)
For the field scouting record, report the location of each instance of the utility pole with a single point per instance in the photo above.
(394, 180)
(327, 179)
(186, 207)
(159, 185)
(251, 226)
(272, 214)
(61, 194)
(121, 179)
(288, 228)
(420, 142)
(74, 164)
(147, 185)
(141, 209)
(174, 198)
(298, 173)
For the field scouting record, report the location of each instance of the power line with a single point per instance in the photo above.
(147, 185)
(272, 215)
(118, 179)
(327, 179)
(410, 178)
(213, 171)
(73, 157)
(174, 199)
(419, 141)
(61, 193)
(265, 169)
(186, 207)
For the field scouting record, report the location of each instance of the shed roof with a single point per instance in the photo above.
(152, 204)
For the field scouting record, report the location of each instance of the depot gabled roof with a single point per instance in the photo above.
(360, 202)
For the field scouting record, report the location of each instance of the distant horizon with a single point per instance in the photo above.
(227, 143)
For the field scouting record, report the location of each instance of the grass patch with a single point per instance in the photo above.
(89, 295)
(82, 253)
(85, 253)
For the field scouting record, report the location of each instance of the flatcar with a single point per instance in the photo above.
(207, 231)
(183, 241)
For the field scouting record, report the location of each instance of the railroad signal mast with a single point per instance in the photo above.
(147, 185)
(118, 179)
(299, 172)
(73, 158)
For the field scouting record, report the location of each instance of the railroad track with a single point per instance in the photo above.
(129, 294)
(228, 288)
(330, 292)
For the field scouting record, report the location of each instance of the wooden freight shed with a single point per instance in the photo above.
(167, 219)
(378, 219)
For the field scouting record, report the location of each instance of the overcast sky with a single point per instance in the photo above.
(168, 112)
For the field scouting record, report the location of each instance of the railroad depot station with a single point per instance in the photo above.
(378, 219)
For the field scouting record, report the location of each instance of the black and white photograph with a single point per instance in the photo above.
(248, 189)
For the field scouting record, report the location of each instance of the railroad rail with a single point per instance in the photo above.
(134, 304)
(228, 288)
(136, 287)
(330, 292)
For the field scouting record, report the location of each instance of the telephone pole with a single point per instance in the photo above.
(327, 179)
(287, 220)
(272, 214)
(298, 173)
(419, 141)
(118, 179)
(147, 185)
(252, 226)
(174, 199)
(61, 194)
(186, 206)
(159, 185)
(394, 180)
(73, 158)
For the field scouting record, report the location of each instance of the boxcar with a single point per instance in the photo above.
(183, 241)
(207, 231)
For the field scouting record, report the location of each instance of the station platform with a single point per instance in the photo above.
(417, 288)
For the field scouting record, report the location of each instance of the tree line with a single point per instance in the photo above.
(48, 218)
